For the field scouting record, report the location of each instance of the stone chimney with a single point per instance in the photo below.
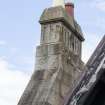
(58, 57)
(70, 9)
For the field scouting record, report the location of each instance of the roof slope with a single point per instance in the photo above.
(94, 65)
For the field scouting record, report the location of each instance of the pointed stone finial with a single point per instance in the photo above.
(59, 3)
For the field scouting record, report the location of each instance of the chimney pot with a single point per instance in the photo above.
(70, 9)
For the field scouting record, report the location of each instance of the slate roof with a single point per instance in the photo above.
(94, 66)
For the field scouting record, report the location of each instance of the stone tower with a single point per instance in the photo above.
(58, 58)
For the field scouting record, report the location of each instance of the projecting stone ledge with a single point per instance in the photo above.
(55, 14)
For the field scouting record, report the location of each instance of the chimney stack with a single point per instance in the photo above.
(70, 9)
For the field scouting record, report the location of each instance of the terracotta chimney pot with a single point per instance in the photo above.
(70, 9)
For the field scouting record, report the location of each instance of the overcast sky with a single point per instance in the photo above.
(20, 33)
